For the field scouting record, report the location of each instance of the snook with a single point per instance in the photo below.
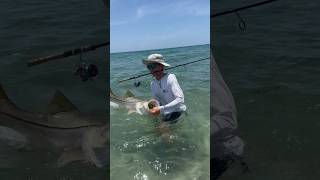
(63, 129)
(131, 103)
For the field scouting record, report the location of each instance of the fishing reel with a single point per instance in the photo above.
(86, 71)
(136, 83)
(241, 23)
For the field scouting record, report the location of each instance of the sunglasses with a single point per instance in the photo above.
(151, 66)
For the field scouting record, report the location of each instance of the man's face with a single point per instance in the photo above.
(155, 69)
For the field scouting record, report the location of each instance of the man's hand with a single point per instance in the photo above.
(155, 111)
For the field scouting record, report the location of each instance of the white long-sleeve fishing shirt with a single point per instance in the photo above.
(169, 94)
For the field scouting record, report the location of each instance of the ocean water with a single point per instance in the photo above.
(137, 151)
(33, 29)
(273, 71)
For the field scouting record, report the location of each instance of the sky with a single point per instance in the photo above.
(155, 24)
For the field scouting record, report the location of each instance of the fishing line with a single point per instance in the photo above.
(141, 75)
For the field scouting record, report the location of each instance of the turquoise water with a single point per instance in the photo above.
(136, 150)
(32, 29)
(273, 71)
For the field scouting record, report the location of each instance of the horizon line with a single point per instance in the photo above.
(158, 48)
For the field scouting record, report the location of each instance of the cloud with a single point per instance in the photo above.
(197, 10)
(147, 10)
(175, 8)
(140, 12)
(118, 23)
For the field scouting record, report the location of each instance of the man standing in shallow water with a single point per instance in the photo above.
(165, 89)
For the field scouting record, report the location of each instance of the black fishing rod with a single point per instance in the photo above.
(141, 75)
(66, 54)
(241, 22)
(242, 8)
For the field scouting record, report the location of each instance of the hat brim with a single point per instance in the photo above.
(146, 62)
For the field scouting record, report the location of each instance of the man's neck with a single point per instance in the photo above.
(160, 76)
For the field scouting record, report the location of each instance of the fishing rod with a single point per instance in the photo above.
(242, 8)
(141, 75)
(67, 54)
(241, 24)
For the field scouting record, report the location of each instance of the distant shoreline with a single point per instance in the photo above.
(159, 48)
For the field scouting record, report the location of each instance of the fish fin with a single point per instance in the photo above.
(95, 147)
(102, 156)
(59, 103)
(128, 94)
(70, 156)
(131, 111)
(114, 105)
(4, 99)
(112, 94)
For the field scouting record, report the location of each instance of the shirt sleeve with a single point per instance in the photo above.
(174, 105)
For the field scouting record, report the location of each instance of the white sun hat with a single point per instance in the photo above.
(155, 58)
